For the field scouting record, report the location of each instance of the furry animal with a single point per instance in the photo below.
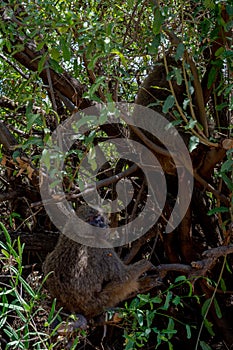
(88, 280)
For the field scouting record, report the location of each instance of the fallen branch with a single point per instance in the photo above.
(197, 268)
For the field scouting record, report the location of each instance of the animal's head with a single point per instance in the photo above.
(92, 216)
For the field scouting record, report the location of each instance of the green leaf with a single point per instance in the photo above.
(99, 81)
(154, 46)
(223, 285)
(33, 118)
(188, 331)
(209, 327)
(193, 142)
(121, 56)
(55, 54)
(204, 346)
(211, 77)
(145, 298)
(178, 75)
(6, 234)
(167, 301)
(158, 21)
(227, 165)
(229, 9)
(3, 320)
(180, 279)
(92, 158)
(169, 103)
(218, 210)
(33, 141)
(46, 159)
(129, 343)
(150, 315)
(219, 51)
(228, 267)
(217, 308)
(20, 248)
(12, 307)
(191, 124)
(177, 300)
(16, 154)
(52, 312)
(81, 184)
(41, 64)
(93, 61)
(131, 3)
(66, 53)
(156, 300)
(55, 66)
(221, 106)
(85, 119)
(174, 123)
(209, 4)
(140, 317)
(40, 45)
(205, 307)
(54, 184)
(75, 342)
(27, 287)
(179, 51)
(171, 325)
(227, 181)
(5, 292)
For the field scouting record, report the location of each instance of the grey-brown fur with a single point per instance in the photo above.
(88, 280)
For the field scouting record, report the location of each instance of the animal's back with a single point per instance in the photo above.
(87, 280)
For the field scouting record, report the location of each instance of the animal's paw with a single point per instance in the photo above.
(148, 282)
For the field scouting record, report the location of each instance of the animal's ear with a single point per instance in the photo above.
(86, 213)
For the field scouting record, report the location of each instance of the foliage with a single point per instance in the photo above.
(147, 317)
(23, 319)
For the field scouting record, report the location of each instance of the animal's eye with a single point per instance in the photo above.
(98, 221)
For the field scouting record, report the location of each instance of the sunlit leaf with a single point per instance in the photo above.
(193, 142)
